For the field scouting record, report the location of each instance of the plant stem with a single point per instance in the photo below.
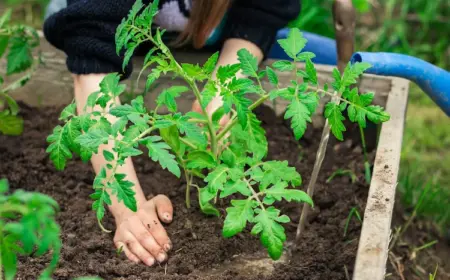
(187, 143)
(188, 188)
(366, 160)
(234, 120)
(255, 195)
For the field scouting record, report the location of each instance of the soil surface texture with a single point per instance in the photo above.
(200, 252)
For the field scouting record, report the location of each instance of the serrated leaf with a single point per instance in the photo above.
(191, 130)
(19, 57)
(119, 126)
(276, 171)
(68, 111)
(237, 217)
(208, 93)
(249, 63)
(253, 136)
(123, 190)
(194, 71)
(211, 63)
(228, 71)
(217, 178)
(279, 191)
(299, 115)
(201, 160)
(293, 44)
(59, 152)
(305, 56)
(92, 139)
(272, 234)
(232, 187)
(282, 92)
(151, 78)
(283, 65)
(242, 84)
(110, 85)
(167, 97)
(311, 72)
(272, 76)
(351, 74)
(158, 152)
(335, 119)
(310, 100)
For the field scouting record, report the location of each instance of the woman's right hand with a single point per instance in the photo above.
(141, 236)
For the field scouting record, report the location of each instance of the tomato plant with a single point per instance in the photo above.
(232, 157)
(16, 43)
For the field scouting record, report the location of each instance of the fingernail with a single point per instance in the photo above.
(161, 257)
(167, 247)
(167, 217)
(150, 261)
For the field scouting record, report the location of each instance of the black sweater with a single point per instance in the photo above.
(85, 29)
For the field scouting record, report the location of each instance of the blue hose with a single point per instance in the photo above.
(323, 47)
(433, 80)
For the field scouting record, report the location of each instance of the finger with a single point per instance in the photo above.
(123, 248)
(143, 234)
(224, 120)
(136, 248)
(164, 208)
(157, 231)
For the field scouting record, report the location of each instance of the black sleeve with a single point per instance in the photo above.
(259, 20)
(85, 31)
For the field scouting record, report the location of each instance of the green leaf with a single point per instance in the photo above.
(110, 85)
(59, 152)
(19, 57)
(4, 40)
(122, 110)
(305, 56)
(151, 78)
(241, 103)
(217, 178)
(194, 71)
(71, 131)
(311, 72)
(11, 125)
(276, 171)
(209, 209)
(68, 112)
(108, 155)
(249, 63)
(232, 187)
(283, 65)
(3, 186)
(252, 136)
(158, 152)
(208, 93)
(228, 157)
(242, 84)
(200, 159)
(376, 114)
(211, 63)
(129, 152)
(272, 234)
(204, 196)
(167, 97)
(228, 71)
(299, 115)
(237, 217)
(92, 139)
(280, 191)
(334, 115)
(272, 76)
(128, 54)
(123, 190)
(293, 44)
(282, 92)
(351, 74)
(191, 130)
(119, 126)
(311, 101)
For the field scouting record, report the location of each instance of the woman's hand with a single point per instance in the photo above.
(141, 235)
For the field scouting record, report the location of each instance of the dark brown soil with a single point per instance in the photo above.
(199, 251)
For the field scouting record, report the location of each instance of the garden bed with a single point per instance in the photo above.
(199, 252)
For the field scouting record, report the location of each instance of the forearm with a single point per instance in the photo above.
(84, 85)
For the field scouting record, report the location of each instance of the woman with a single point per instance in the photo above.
(84, 30)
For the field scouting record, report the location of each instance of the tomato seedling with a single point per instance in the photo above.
(232, 157)
(27, 227)
(17, 43)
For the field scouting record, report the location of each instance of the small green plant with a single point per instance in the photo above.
(18, 42)
(27, 227)
(232, 157)
(433, 276)
(353, 212)
(343, 172)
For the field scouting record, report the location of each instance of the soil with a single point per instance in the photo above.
(200, 252)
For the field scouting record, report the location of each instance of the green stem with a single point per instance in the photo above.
(255, 194)
(234, 120)
(188, 188)
(187, 143)
(366, 159)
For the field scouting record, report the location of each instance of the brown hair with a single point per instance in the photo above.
(205, 16)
